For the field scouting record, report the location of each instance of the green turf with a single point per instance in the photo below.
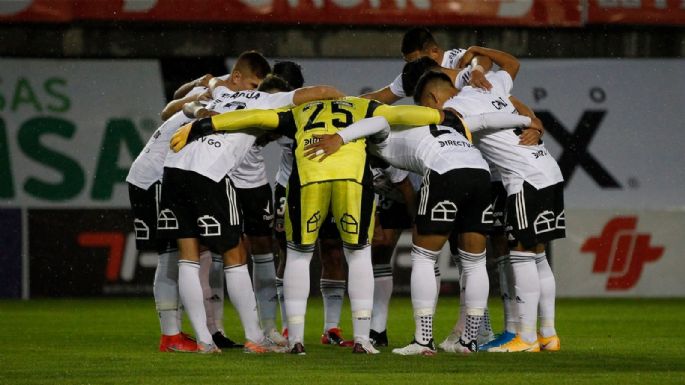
(114, 341)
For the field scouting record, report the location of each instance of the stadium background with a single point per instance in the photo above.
(82, 82)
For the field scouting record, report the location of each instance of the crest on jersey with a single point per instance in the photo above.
(167, 220)
(141, 229)
(349, 224)
(313, 222)
(488, 215)
(444, 211)
(545, 222)
(209, 226)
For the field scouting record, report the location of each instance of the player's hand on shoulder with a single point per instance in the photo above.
(326, 145)
(478, 79)
(204, 80)
(466, 58)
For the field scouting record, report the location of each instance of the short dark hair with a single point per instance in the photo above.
(254, 62)
(428, 78)
(289, 71)
(274, 83)
(417, 39)
(413, 70)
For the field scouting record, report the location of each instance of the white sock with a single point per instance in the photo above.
(190, 291)
(333, 293)
(423, 292)
(281, 301)
(548, 290)
(382, 291)
(240, 292)
(508, 294)
(360, 288)
(527, 283)
(486, 326)
(475, 287)
(438, 281)
(264, 273)
(461, 319)
(216, 283)
(208, 280)
(165, 290)
(296, 290)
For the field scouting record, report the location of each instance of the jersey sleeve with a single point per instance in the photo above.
(395, 174)
(396, 87)
(463, 78)
(408, 115)
(241, 119)
(502, 80)
(280, 100)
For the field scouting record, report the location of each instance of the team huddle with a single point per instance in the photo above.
(201, 199)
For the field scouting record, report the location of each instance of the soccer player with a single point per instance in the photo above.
(419, 42)
(342, 184)
(532, 179)
(454, 197)
(144, 187)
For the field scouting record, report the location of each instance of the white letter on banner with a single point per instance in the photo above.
(402, 4)
(13, 7)
(514, 8)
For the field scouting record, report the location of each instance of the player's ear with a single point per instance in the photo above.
(434, 53)
(236, 75)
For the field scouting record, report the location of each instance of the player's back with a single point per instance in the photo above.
(328, 117)
(435, 147)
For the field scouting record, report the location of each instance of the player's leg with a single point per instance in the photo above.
(212, 280)
(534, 217)
(548, 338)
(306, 209)
(144, 205)
(473, 220)
(333, 282)
(353, 208)
(547, 334)
(434, 221)
(178, 220)
(258, 213)
(279, 235)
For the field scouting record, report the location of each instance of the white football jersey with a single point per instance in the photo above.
(449, 60)
(149, 165)
(516, 163)
(251, 172)
(434, 147)
(286, 165)
(216, 155)
(385, 180)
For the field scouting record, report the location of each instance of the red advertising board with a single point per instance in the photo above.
(369, 12)
(652, 12)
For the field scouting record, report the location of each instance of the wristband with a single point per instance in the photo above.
(201, 127)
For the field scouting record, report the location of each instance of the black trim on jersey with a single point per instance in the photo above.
(286, 124)
(373, 104)
(367, 204)
(293, 200)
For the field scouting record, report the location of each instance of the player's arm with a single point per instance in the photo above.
(176, 105)
(534, 131)
(195, 110)
(228, 121)
(309, 94)
(183, 90)
(505, 61)
(384, 95)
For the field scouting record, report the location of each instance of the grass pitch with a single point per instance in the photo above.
(114, 342)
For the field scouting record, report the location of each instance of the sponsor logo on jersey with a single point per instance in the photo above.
(457, 143)
(540, 153)
(621, 252)
(308, 141)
